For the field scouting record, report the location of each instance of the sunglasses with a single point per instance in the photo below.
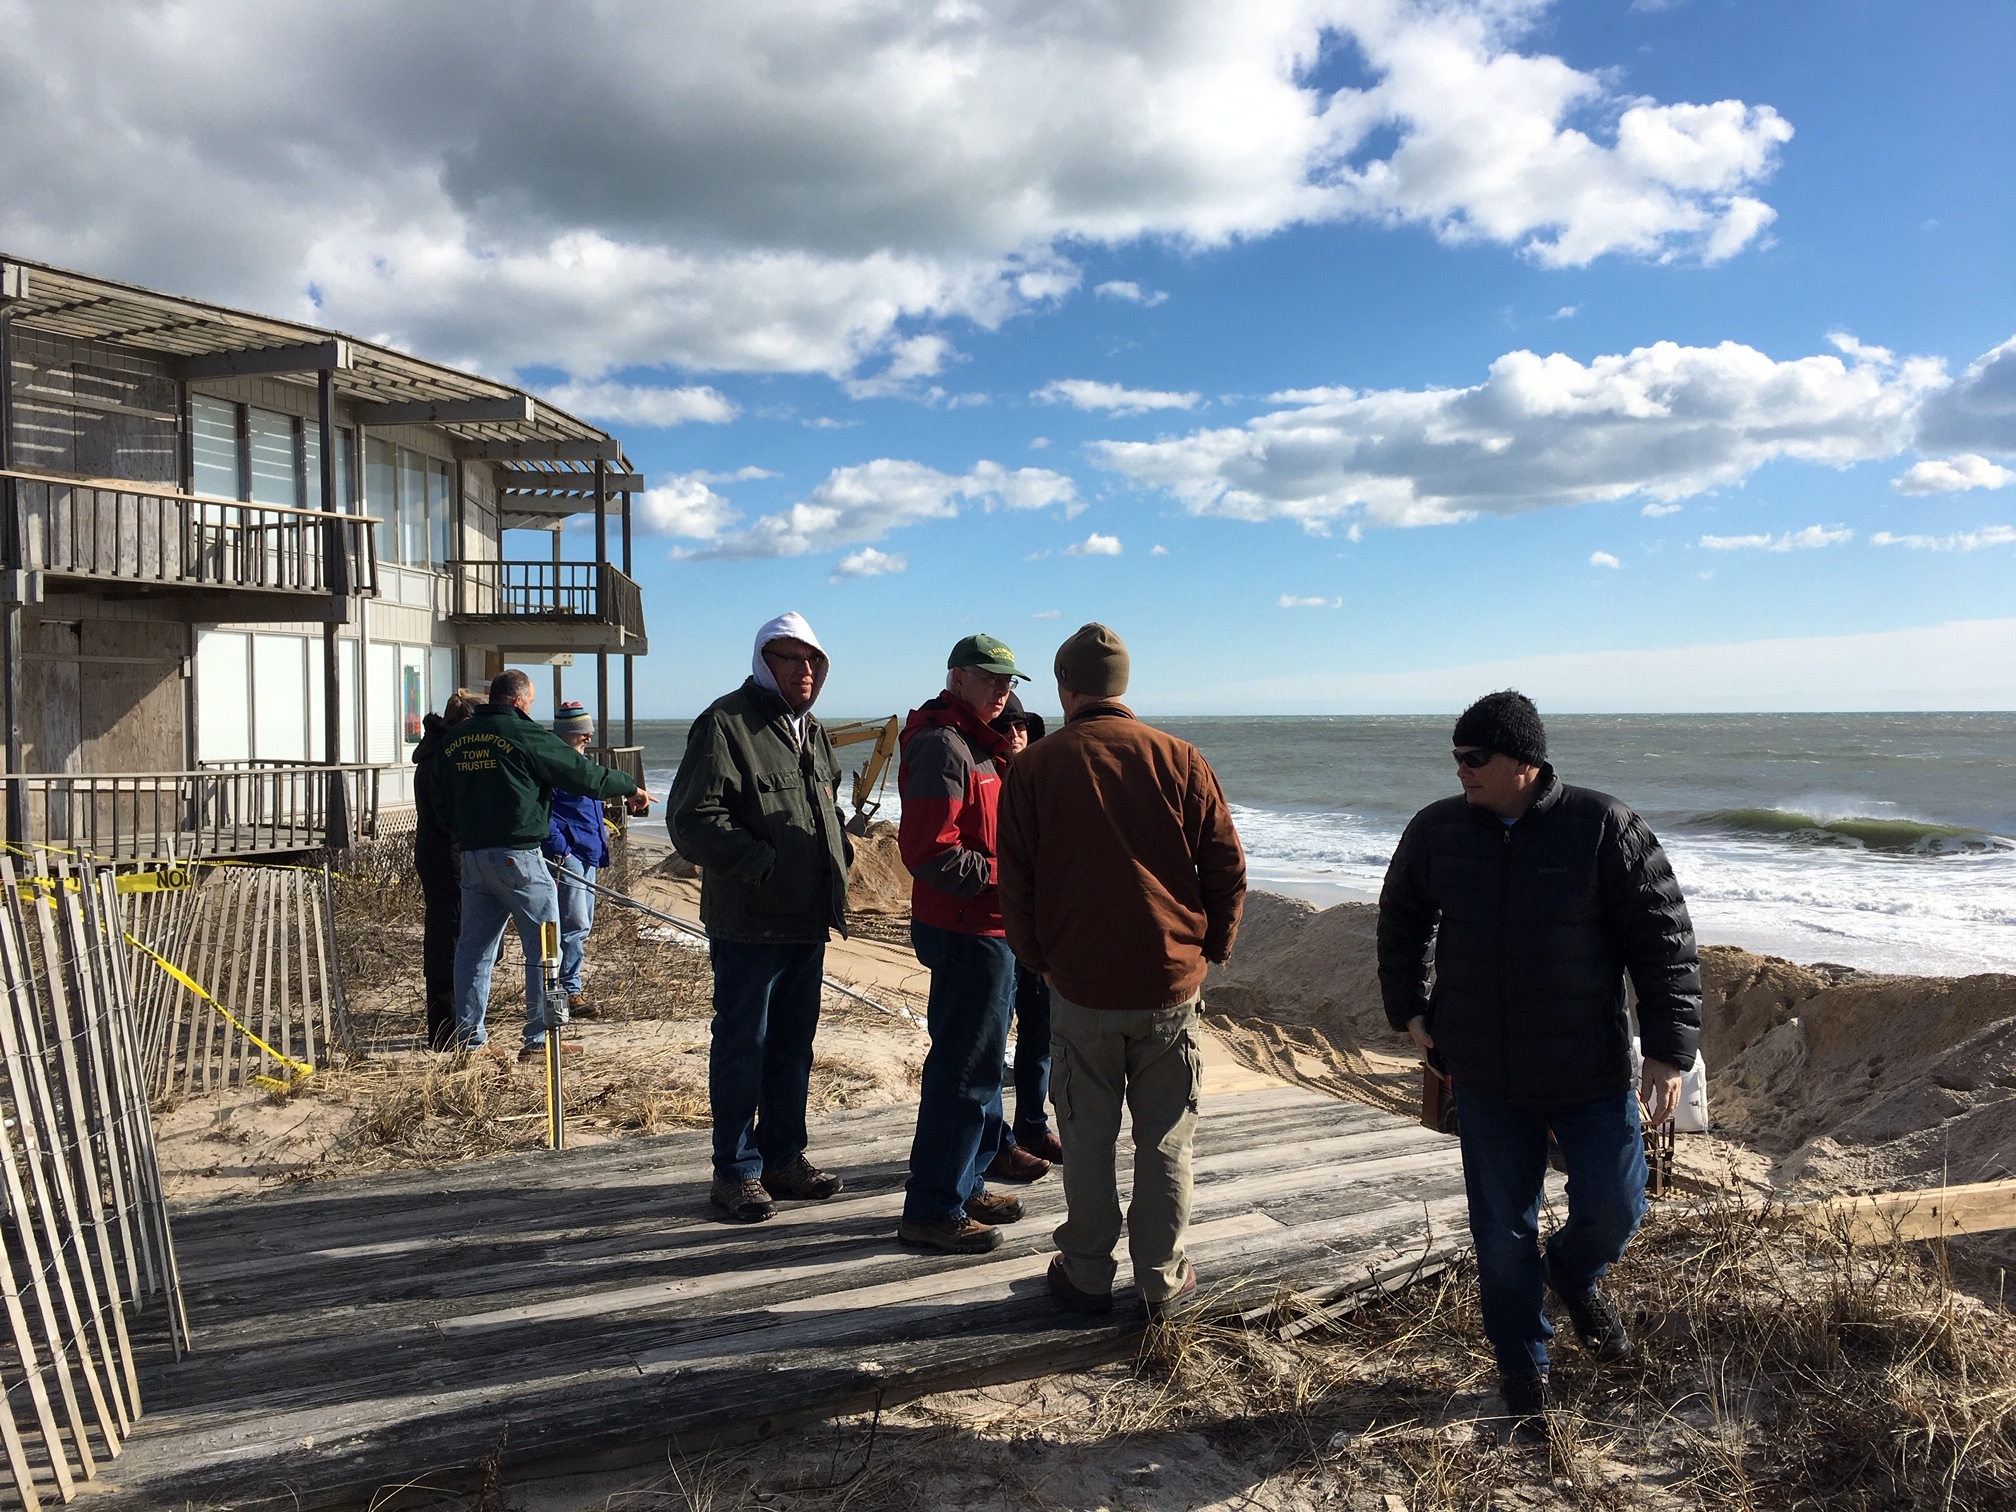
(1473, 759)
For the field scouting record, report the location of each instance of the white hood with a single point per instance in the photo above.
(789, 627)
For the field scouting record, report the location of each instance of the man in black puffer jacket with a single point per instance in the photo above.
(1509, 919)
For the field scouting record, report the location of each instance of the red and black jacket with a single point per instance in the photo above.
(951, 789)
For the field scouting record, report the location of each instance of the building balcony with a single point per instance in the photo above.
(228, 809)
(210, 559)
(548, 608)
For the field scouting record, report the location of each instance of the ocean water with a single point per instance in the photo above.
(1886, 842)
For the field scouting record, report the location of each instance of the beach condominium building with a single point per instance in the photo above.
(241, 558)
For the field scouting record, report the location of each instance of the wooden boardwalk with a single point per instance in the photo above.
(372, 1332)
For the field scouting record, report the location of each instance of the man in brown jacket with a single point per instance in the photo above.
(1120, 878)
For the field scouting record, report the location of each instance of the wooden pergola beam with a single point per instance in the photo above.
(588, 449)
(518, 481)
(306, 357)
(516, 409)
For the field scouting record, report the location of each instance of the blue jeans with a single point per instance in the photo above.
(1504, 1166)
(959, 1101)
(501, 886)
(759, 1066)
(577, 917)
(1032, 1057)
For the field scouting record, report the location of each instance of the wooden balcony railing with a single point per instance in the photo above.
(549, 592)
(226, 809)
(125, 532)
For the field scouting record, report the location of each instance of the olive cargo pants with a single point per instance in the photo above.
(1151, 1063)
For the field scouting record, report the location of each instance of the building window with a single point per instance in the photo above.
(271, 439)
(440, 511)
(380, 498)
(213, 446)
(412, 508)
(311, 468)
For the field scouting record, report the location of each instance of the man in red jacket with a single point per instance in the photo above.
(1121, 877)
(950, 786)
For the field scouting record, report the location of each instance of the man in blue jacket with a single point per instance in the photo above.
(1510, 917)
(578, 844)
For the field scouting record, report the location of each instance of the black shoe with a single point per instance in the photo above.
(742, 1198)
(1526, 1403)
(803, 1180)
(1598, 1324)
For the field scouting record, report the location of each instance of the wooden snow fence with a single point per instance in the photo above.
(83, 1225)
(260, 941)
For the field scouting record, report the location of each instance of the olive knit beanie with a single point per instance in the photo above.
(1506, 722)
(1093, 662)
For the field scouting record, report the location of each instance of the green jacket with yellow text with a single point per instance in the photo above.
(495, 776)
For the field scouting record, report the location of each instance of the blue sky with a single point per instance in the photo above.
(900, 273)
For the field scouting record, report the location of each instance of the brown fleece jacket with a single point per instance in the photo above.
(1121, 874)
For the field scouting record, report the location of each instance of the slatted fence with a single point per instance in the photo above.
(259, 940)
(83, 1224)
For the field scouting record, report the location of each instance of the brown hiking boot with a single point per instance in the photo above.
(994, 1207)
(963, 1237)
(578, 1007)
(1013, 1163)
(1044, 1146)
(1172, 1303)
(802, 1179)
(538, 1052)
(1077, 1301)
(742, 1198)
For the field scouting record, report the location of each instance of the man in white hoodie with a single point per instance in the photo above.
(755, 806)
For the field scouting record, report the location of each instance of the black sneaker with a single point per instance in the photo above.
(1526, 1403)
(1598, 1324)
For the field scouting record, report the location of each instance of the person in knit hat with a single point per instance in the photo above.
(1122, 878)
(1029, 1134)
(577, 843)
(1510, 918)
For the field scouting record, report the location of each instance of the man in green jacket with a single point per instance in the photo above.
(754, 807)
(493, 791)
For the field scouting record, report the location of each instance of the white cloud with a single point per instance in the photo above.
(1978, 413)
(1665, 421)
(865, 502)
(795, 185)
(1095, 545)
(683, 505)
(1291, 601)
(1952, 475)
(868, 562)
(1604, 559)
(643, 404)
(1811, 538)
(1131, 292)
(918, 357)
(1969, 540)
(1158, 551)
(1660, 511)
(1048, 614)
(1112, 398)
(1566, 312)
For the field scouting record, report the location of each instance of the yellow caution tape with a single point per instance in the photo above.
(303, 1069)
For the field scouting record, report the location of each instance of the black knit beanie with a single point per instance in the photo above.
(1505, 722)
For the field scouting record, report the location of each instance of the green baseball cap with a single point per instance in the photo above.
(986, 653)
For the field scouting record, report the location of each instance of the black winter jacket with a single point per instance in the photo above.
(1529, 930)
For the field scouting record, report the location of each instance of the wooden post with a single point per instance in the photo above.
(602, 596)
(10, 623)
(336, 574)
(629, 685)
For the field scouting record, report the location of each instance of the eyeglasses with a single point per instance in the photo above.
(1473, 759)
(793, 658)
